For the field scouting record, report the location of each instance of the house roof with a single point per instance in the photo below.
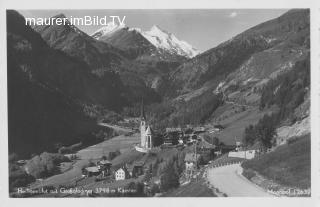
(174, 129)
(138, 163)
(122, 168)
(92, 169)
(191, 157)
(199, 129)
(104, 162)
(218, 126)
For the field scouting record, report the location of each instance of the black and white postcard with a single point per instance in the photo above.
(151, 102)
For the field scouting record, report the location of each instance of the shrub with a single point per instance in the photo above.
(248, 173)
(169, 177)
(114, 154)
(18, 178)
(45, 164)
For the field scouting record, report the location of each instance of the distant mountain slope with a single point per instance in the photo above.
(231, 83)
(257, 53)
(102, 59)
(67, 74)
(40, 115)
(71, 40)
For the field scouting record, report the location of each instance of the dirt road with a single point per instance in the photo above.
(228, 179)
(116, 128)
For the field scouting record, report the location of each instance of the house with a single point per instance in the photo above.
(21, 162)
(136, 169)
(198, 130)
(71, 156)
(122, 173)
(169, 130)
(218, 153)
(238, 146)
(226, 148)
(218, 126)
(104, 167)
(247, 154)
(91, 171)
(180, 141)
(171, 138)
(191, 160)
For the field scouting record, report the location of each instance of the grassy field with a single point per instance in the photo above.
(288, 165)
(124, 143)
(235, 122)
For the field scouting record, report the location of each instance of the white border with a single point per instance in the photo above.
(164, 4)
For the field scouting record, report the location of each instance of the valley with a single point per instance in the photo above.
(149, 114)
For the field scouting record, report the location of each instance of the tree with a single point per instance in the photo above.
(262, 132)
(18, 178)
(148, 174)
(45, 164)
(169, 178)
(249, 135)
(114, 154)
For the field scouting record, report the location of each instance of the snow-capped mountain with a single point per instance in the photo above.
(107, 30)
(168, 41)
(157, 37)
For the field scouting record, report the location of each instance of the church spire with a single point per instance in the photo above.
(142, 113)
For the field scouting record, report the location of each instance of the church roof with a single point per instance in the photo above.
(149, 131)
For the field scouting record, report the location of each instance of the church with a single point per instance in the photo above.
(145, 131)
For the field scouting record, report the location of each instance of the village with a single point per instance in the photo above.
(190, 141)
(195, 146)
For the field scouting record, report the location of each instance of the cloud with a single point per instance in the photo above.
(233, 14)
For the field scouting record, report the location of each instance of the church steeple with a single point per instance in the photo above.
(142, 113)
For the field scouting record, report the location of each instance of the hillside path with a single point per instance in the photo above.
(228, 179)
(115, 127)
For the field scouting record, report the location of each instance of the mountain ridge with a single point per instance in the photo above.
(156, 36)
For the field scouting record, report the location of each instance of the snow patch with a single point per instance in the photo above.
(107, 30)
(165, 40)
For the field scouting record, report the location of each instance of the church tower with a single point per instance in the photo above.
(143, 126)
(149, 141)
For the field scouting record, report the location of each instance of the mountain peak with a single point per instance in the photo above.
(168, 41)
(157, 36)
(110, 28)
(156, 28)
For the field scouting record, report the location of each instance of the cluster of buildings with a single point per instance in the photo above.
(104, 168)
(171, 136)
(241, 152)
(191, 162)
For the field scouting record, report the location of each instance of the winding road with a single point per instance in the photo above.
(228, 179)
(115, 127)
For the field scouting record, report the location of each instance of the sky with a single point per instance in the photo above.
(203, 29)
